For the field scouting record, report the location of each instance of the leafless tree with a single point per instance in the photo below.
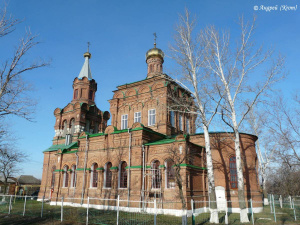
(13, 89)
(10, 158)
(181, 155)
(233, 67)
(285, 128)
(188, 52)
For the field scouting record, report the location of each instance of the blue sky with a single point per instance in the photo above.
(120, 33)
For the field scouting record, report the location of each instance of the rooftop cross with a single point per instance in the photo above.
(154, 39)
(88, 43)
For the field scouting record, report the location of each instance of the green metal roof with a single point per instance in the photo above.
(73, 145)
(164, 141)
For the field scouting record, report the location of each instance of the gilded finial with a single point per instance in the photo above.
(155, 40)
(88, 54)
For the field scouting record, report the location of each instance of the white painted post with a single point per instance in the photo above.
(274, 208)
(154, 211)
(24, 205)
(252, 211)
(290, 201)
(226, 211)
(118, 205)
(9, 208)
(280, 201)
(87, 211)
(294, 210)
(42, 206)
(62, 209)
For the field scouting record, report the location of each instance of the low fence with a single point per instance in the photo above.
(117, 211)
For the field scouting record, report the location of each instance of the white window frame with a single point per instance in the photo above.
(180, 122)
(124, 119)
(138, 117)
(151, 117)
(172, 118)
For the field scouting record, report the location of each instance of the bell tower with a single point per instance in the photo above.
(155, 60)
(84, 86)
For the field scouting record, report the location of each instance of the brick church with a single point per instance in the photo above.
(144, 149)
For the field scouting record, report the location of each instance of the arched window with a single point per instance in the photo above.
(107, 175)
(156, 177)
(172, 118)
(72, 126)
(53, 177)
(66, 177)
(94, 176)
(73, 176)
(64, 128)
(170, 174)
(123, 175)
(233, 172)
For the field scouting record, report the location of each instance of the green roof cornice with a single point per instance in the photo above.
(63, 147)
(164, 141)
(114, 168)
(82, 169)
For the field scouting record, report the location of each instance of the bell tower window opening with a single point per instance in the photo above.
(233, 172)
(75, 93)
(87, 126)
(91, 95)
(64, 128)
(151, 117)
(72, 126)
(124, 121)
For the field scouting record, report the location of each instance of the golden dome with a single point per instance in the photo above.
(87, 54)
(155, 52)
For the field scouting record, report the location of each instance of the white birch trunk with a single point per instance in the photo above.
(214, 217)
(240, 175)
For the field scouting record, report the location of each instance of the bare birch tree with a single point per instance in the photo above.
(264, 145)
(188, 52)
(233, 68)
(13, 90)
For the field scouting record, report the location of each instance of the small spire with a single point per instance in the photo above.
(86, 70)
(154, 39)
